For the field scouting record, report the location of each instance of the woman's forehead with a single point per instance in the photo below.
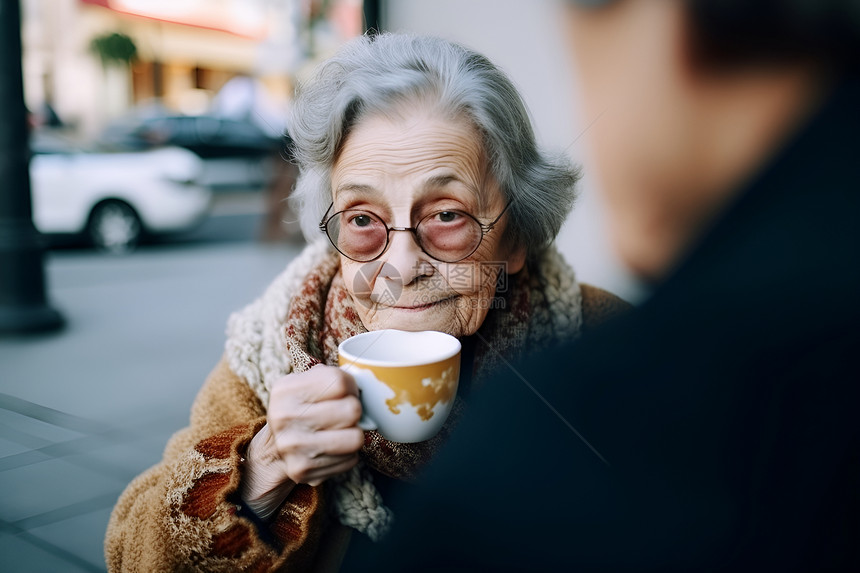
(406, 139)
(424, 151)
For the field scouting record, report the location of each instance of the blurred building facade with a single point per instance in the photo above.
(186, 51)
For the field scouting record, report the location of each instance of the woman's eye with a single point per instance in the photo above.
(447, 216)
(361, 220)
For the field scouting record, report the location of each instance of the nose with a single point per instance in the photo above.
(403, 260)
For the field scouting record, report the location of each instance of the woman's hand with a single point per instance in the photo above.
(313, 417)
(311, 434)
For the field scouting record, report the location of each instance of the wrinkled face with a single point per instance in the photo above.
(401, 171)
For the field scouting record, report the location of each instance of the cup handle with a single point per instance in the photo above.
(361, 375)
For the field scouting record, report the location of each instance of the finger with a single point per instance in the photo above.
(344, 441)
(317, 384)
(301, 469)
(329, 383)
(341, 442)
(331, 414)
(315, 444)
(318, 476)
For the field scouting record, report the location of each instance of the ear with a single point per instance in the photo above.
(516, 260)
(684, 52)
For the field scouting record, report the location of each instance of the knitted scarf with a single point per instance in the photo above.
(307, 311)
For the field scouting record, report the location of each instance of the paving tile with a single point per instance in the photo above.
(82, 535)
(58, 450)
(121, 461)
(14, 434)
(8, 448)
(81, 445)
(47, 486)
(153, 446)
(53, 416)
(24, 458)
(82, 507)
(36, 428)
(28, 554)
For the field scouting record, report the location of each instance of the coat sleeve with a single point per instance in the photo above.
(599, 306)
(185, 514)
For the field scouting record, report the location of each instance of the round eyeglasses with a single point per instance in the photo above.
(449, 236)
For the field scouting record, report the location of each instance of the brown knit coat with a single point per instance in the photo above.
(183, 514)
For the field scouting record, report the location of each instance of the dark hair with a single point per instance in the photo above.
(739, 32)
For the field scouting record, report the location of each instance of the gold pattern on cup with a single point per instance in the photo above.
(421, 386)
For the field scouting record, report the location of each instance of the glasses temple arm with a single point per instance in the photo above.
(489, 226)
(323, 222)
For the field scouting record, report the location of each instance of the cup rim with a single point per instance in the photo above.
(358, 360)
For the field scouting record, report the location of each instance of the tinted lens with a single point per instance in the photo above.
(449, 235)
(357, 234)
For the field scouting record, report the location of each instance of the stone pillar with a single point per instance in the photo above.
(23, 303)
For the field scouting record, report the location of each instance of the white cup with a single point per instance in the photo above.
(407, 380)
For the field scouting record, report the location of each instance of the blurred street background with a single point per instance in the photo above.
(85, 409)
(159, 185)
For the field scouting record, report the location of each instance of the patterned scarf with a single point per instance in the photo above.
(533, 308)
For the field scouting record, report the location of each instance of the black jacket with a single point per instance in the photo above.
(714, 427)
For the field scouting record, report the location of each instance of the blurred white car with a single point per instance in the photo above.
(114, 198)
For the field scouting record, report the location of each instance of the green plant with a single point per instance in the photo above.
(114, 48)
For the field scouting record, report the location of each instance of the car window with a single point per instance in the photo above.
(207, 129)
(47, 143)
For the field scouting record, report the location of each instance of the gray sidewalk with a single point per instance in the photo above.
(84, 410)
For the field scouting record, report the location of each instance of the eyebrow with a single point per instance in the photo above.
(356, 188)
(443, 180)
(435, 181)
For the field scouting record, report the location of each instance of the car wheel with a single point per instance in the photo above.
(114, 227)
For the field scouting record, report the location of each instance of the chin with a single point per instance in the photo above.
(442, 319)
(410, 322)
(644, 257)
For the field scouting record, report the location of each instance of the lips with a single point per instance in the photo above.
(423, 306)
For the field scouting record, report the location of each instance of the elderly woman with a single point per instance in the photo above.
(419, 165)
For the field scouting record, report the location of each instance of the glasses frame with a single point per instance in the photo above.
(485, 228)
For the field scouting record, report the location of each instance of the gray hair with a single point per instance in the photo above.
(376, 74)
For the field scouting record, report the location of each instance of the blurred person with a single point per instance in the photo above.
(280, 223)
(45, 117)
(418, 162)
(715, 426)
(243, 98)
